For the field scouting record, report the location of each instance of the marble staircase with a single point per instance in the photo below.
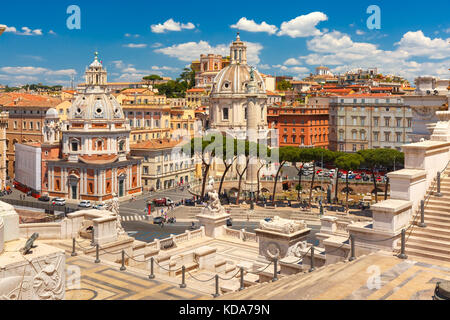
(433, 241)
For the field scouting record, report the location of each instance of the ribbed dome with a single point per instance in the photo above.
(52, 113)
(96, 106)
(234, 79)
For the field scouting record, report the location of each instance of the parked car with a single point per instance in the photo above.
(351, 176)
(229, 222)
(169, 202)
(58, 202)
(189, 202)
(44, 198)
(366, 178)
(100, 206)
(85, 204)
(158, 220)
(358, 177)
(159, 201)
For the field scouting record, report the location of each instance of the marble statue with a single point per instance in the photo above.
(214, 207)
(280, 225)
(113, 207)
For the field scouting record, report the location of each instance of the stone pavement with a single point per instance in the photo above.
(378, 276)
(104, 281)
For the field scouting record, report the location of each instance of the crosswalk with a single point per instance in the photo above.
(135, 218)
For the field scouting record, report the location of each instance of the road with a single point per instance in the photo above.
(139, 225)
(147, 232)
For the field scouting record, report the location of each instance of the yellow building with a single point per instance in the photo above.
(182, 122)
(147, 121)
(63, 109)
(140, 96)
(194, 97)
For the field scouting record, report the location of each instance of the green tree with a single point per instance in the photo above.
(284, 85)
(317, 154)
(205, 149)
(380, 158)
(152, 78)
(337, 154)
(348, 162)
(229, 156)
(188, 76)
(285, 154)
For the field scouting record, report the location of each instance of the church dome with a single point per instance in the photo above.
(235, 78)
(52, 113)
(96, 103)
(96, 106)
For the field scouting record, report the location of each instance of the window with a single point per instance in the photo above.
(74, 146)
(399, 137)
(387, 136)
(363, 120)
(225, 113)
(354, 148)
(387, 122)
(354, 135)
(38, 126)
(31, 125)
(354, 119)
(145, 170)
(341, 147)
(375, 136)
(375, 122)
(399, 123)
(15, 125)
(363, 135)
(409, 123)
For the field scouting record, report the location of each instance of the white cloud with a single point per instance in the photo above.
(252, 26)
(417, 44)
(129, 35)
(25, 31)
(263, 66)
(171, 25)
(360, 32)
(447, 30)
(22, 75)
(303, 26)
(135, 45)
(339, 50)
(190, 51)
(36, 71)
(165, 68)
(292, 62)
(157, 45)
(52, 32)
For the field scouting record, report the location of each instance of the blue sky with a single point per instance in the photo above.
(137, 38)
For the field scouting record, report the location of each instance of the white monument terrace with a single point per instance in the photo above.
(404, 241)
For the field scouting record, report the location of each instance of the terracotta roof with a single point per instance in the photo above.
(381, 89)
(196, 90)
(156, 144)
(14, 99)
(138, 91)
